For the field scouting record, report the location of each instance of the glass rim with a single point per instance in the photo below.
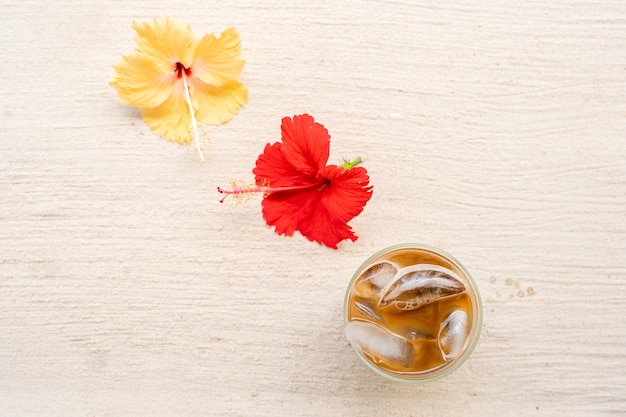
(446, 368)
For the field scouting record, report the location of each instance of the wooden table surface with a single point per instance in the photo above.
(494, 130)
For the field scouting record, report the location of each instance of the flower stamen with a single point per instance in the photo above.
(241, 191)
(194, 125)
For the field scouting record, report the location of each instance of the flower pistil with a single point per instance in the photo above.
(242, 191)
(194, 125)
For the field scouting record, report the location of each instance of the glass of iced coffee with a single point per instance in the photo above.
(412, 313)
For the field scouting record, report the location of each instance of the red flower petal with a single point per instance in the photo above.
(272, 168)
(305, 212)
(305, 143)
(347, 193)
(285, 210)
(339, 202)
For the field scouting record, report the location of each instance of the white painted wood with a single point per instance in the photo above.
(494, 130)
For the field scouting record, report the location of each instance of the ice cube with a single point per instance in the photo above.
(375, 279)
(367, 311)
(381, 346)
(415, 333)
(452, 334)
(419, 284)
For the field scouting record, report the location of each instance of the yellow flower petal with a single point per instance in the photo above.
(217, 60)
(139, 82)
(166, 42)
(171, 119)
(217, 105)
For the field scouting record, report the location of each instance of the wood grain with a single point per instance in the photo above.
(494, 130)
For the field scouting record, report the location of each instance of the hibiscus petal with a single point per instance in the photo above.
(273, 169)
(170, 120)
(217, 105)
(342, 199)
(166, 41)
(322, 227)
(303, 211)
(284, 210)
(139, 81)
(306, 144)
(218, 60)
(347, 193)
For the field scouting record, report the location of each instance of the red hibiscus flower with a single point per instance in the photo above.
(303, 193)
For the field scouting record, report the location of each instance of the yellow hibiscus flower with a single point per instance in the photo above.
(177, 79)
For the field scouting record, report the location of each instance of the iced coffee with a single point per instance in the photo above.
(412, 313)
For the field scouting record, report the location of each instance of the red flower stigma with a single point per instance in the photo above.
(179, 68)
